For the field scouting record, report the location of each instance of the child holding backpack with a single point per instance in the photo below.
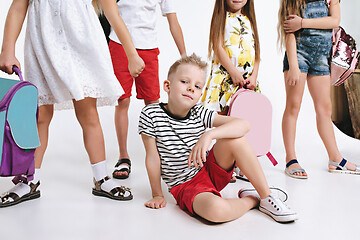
(235, 50)
(307, 59)
(140, 18)
(67, 58)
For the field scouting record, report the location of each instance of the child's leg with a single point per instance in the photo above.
(319, 87)
(228, 150)
(45, 115)
(217, 209)
(87, 115)
(121, 126)
(293, 102)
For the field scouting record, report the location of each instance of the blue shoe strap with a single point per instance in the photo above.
(342, 164)
(291, 163)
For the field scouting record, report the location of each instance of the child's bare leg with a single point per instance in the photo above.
(45, 115)
(293, 102)
(216, 209)
(87, 115)
(319, 88)
(121, 125)
(226, 151)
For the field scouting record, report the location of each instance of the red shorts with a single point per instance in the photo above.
(147, 83)
(211, 178)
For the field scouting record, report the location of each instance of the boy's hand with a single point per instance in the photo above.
(292, 23)
(198, 153)
(237, 78)
(7, 61)
(136, 66)
(251, 83)
(293, 76)
(156, 202)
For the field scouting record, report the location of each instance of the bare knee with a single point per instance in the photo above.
(88, 118)
(218, 211)
(45, 115)
(324, 109)
(293, 108)
(123, 104)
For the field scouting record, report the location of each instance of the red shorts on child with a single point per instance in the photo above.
(211, 178)
(147, 83)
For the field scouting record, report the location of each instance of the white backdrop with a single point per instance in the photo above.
(194, 17)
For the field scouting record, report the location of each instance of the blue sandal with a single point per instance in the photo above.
(340, 167)
(291, 172)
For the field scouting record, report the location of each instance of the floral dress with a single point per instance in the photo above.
(239, 44)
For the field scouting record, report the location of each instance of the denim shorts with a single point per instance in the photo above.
(313, 58)
(313, 45)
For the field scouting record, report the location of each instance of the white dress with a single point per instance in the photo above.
(66, 54)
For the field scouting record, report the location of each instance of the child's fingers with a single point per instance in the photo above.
(198, 157)
(203, 155)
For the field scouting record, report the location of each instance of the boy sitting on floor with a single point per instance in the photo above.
(176, 145)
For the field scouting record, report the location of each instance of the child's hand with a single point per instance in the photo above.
(136, 66)
(156, 202)
(7, 61)
(198, 153)
(292, 23)
(251, 82)
(237, 79)
(293, 76)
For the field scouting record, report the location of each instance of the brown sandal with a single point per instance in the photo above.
(10, 198)
(97, 191)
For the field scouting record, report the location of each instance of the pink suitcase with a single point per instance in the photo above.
(257, 109)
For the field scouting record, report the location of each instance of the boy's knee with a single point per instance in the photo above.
(219, 210)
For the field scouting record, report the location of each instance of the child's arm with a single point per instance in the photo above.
(225, 61)
(13, 25)
(153, 167)
(111, 11)
(252, 79)
(294, 72)
(294, 22)
(176, 32)
(225, 127)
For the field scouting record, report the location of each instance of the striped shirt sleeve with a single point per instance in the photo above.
(206, 115)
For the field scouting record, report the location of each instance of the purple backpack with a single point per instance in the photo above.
(18, 128)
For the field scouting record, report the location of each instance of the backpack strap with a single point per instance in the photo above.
(271, 158)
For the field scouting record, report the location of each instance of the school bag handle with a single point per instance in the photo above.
(18, 72)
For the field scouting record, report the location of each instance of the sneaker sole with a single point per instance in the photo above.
(279, 218)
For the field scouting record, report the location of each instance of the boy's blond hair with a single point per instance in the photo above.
(193, 59)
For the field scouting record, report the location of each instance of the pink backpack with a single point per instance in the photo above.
(257, 109)
(344, 55)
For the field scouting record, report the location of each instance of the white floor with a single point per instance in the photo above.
(327, 203)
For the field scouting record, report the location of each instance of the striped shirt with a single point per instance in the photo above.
(175, 138)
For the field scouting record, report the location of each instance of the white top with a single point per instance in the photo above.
(175, 138)
(66, 54)
(140, 18)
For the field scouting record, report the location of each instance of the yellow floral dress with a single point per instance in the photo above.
(239, 44)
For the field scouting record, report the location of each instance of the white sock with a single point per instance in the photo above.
(20, 189)
(36, 176)
(99, 172)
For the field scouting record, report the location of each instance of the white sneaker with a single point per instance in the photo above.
(277, 209)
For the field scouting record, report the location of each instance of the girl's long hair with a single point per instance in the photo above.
(217, 27)
(97, 6)
(288, 7)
